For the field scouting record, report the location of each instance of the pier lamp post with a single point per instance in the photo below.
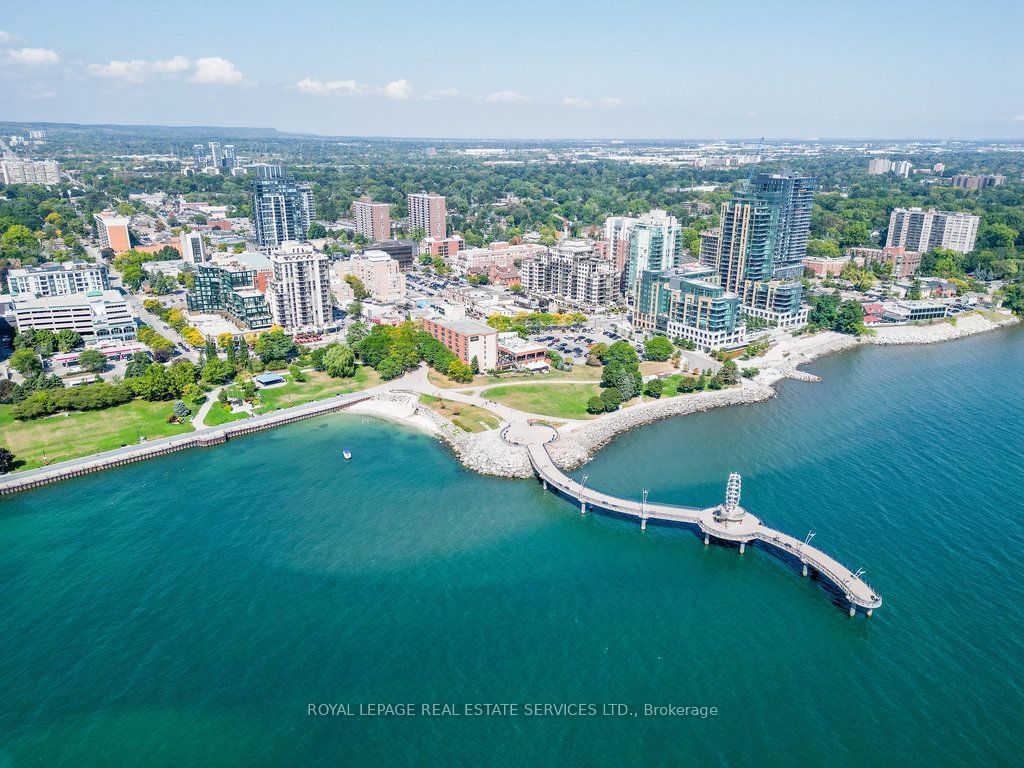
(643, 512)
(807, 540)
(583, 489)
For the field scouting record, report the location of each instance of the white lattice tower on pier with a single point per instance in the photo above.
(731, 509)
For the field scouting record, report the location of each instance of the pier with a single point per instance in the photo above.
(727, 522)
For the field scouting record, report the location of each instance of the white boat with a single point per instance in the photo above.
(347, 454)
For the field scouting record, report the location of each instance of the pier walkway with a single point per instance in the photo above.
(726, 522)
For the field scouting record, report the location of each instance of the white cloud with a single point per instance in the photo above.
(138, 70)
(1017, 119)
(506, 97)
(33, 56)
(572, 101)
(329, 87)
(610, 102)
(214, 70)
(6, 38)
(400, 90)
(442, 93)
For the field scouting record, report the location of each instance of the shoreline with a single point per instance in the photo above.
(488, 453)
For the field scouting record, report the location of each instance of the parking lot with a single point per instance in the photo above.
(575, 344)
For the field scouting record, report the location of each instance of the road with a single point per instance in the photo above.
(133, 299)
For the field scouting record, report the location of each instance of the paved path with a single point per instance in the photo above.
(709, 520)
(199, 420)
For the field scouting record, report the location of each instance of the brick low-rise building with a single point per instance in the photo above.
(466, 339)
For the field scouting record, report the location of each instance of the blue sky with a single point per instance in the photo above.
(778, 68)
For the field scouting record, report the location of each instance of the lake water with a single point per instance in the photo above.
(188, 610)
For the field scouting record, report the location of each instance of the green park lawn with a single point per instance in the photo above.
(317, 387)
(82, 433)
(220, 413)
(565, 401)
(578, 373)
(469, 418)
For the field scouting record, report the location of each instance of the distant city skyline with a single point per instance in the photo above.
(796, 69)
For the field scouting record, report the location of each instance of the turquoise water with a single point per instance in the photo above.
(188, 610)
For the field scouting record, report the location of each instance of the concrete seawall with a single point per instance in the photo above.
(202, 438)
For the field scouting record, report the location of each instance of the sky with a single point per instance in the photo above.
(555, 69)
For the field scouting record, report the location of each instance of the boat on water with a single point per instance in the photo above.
(347, 454)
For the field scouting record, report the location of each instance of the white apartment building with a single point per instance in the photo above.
(572, 273)
(58, 279)
(15, 171)
(96, 315)
(299, 291)
(427, 210)
(379, 273)
(878, 166)
(902, 168)
(193, 249)
(918, 230)
(496, 254)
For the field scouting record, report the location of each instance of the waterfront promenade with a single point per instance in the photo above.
(206, 436)
(742, 528)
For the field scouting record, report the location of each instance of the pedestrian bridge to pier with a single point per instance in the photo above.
(726, 522)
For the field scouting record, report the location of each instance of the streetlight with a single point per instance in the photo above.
(583, 489)
(643, 512)
(807, 540)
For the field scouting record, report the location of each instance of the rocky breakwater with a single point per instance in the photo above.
(943, 330)
(576, 445)
(483, 452)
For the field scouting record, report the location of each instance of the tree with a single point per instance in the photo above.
(26, 362)
(340, 362)
(459, 371)
(154, 384)
(356, 332)
(275, 345)
(137, 365)
(68, 340)
(217, 371)
(850, 318)
(391, 368)
(182, 373)
(474, 365)
(611, 398)
(375, 347)
(6, 461)
(658, 348)
(181, 411)
(316, 231)
(654, 388)
(595, 404)
(823, 249)
(358, 287)
(92, 361)
(915, 290)
(597, 351)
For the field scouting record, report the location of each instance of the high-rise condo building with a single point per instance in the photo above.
(193, 249)
(112, 231)
(572, 273)
(919, 230)
(373, 219)
(216, 154)
(282, 209)
(15, 171)
(878, 166)
(229, 161)
(427, 211)
(655, 243)
(199, 155)
(299, 292)
(762, 244)
(709, 239)
(977, 182)
(378, 272)
(688, 302)
(902, 168)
